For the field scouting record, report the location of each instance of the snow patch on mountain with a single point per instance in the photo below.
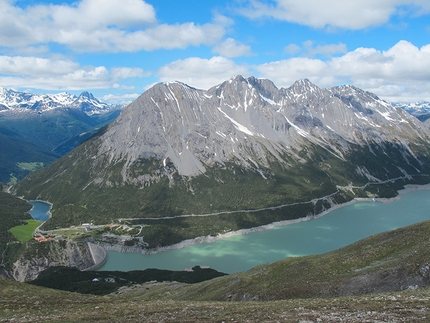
(246, 119)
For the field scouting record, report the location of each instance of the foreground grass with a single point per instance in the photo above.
(25, 303)
(24, 232)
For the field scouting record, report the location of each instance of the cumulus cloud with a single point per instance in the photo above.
(398, 74)
(97, 26)
(201, 73)
(52, 74)
(232, 48)
(292, 49)
(120, 99)
(308, 48)
(126, 72)
(325, 50)
(24, 65)
(347, 14)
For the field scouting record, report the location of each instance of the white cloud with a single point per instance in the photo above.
(398, 74)
(98, 25)
(325, 50)
(348, 14)
(164, 37)
(309, 49)
(24, 65)
(52, 74)
(201, 73)
(232, 48)
(286, 72)
(126, 72)
(120, 99)
(292, 49)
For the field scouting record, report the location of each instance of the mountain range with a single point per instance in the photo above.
(22, 102)
(243, 153)
(36, 129)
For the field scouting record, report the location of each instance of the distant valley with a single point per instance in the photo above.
(36, 129)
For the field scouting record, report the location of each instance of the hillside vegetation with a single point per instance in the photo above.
(13, 212)
(226, 189)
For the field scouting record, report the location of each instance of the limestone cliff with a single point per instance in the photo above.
(52, 253)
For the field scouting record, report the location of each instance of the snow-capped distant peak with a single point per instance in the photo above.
(11, 100)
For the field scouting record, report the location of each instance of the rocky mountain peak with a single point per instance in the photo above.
(243, 119)
(303, 86)
(87, 95)
(304, 90)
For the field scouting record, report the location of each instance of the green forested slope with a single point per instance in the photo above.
(13, 212)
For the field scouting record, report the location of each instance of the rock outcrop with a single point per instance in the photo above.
(52, 253)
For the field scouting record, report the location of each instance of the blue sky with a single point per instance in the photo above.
(116, 49)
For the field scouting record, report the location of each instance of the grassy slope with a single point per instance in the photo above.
(24, 232)
(405, 248)
(25, 303)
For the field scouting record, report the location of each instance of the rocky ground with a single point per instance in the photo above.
(24, 303)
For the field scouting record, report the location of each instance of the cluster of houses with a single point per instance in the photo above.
(42, 239)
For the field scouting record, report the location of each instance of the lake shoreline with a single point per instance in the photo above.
(210, 239)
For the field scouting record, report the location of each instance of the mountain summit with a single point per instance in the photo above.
(252, 122)
(241, 145)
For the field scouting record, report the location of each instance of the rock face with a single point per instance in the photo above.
(251, 121)
(53, 253)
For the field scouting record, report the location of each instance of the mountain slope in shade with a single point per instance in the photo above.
(241, 145)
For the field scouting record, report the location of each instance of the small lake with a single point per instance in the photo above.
(338, 228)
(40, 210)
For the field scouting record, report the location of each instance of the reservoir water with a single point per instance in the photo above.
(338, 228)
(40, 210)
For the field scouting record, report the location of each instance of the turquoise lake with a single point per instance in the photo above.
(336, 229)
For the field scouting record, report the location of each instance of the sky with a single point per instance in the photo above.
(117, 49)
